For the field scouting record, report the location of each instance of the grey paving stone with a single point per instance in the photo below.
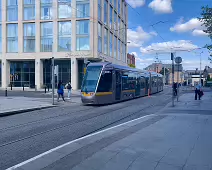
(69, 148)
(142, 165)
(122, 160)
(97, 160)
(176, 156)
(43, 161)
(196, 167)
(79, 167)
(163, 166)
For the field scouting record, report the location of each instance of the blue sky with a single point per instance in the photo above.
(179, 30)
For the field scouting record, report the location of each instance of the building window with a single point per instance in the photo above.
(83, 31)
(0, 38)
(115, 20)
(29, 9)
(115, 47)
(111, 17)
(105, 41)
(124, 53)
(12, 38)
(0, 11)
(105, 12)
(64, 36)
(119, 26)
(83, 9)
(99, 37)
(119, 6)
(46, 9)
(100, 10)
(115, 4)
(64, 8)
(29, 37)
(12, 10)
(46, 36)
(111, 2)
(111, 44)
(119, 49)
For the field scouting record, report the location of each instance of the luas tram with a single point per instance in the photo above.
(106, 83)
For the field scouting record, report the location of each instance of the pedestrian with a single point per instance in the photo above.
(68, 87)
(175, 88)
(60, 91)
(197, 91)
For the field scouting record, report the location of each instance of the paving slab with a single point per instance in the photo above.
(14, 105)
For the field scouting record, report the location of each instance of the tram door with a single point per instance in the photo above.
(118, 85)
(138, 86)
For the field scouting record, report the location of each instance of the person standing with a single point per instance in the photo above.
(197, 91)
(60, 91)
(68, 87)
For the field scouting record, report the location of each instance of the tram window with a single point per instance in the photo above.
(105, 83)
(125, 84)
(143, 83)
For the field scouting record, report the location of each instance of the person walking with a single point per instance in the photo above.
(68, 87)
(197, 91)
(60, 91)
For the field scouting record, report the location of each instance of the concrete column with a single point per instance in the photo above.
(38, 73)
(5, 73)
(20, 27)
(74, 73)
(55, 27)
(37, 26)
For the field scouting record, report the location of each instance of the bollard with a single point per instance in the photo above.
(6, 92)
(45, 89)
(48, 87)
(23, 87)
(11, 86)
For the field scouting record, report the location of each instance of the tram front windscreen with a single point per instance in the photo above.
(91, 78)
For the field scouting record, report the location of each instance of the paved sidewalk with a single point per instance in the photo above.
(176, 138)
(14, 105)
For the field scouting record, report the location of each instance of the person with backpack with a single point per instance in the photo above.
(60, 91)
(68, 87)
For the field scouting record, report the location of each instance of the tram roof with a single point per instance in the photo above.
(122, 67)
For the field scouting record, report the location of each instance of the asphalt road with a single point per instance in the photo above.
(26, 135)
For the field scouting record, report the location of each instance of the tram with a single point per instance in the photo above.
(106, 83)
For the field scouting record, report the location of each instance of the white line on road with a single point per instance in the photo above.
(65, 144)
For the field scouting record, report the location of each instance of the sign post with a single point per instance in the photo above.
(178, 60)
(53, 80)
(172, 58)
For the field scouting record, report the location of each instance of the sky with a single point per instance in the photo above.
(158, 27)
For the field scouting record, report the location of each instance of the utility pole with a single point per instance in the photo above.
(200, 72)
(164, 74)
(53, 81)
(172, 58)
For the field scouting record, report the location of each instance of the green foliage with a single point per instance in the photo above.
(131, 65)
(162, 71)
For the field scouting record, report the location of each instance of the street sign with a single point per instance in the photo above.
(178, 67)
(56, 70)
(85, 60)
(178, 60)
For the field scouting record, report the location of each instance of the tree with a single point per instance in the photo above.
(131, 65)
(166, 71)
(206, 19)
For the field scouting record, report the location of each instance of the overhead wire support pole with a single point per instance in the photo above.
(53, 80)
(172, 58)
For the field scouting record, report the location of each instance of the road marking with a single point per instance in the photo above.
(65, 144)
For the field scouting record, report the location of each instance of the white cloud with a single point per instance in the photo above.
(136, 3)
(161, 6)
(168, 47)
(193, 25)
(138, 37)
(198, 32)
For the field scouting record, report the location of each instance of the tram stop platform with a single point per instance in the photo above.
(175, 138)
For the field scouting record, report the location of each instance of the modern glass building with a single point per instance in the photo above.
(33, 31)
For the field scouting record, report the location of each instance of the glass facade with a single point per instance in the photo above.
(64, 72)
(115, 47)
(12, 38)
(82, 35)
(83, 8)
(29, 9)
(111, 17)
(12, 10)
(99, 37)
(22, 73)
(0, 38)
(111, 44)
(64, 36)
(0, 11)
(99, 10)
(64, 8)
(46, 9)
(105, 12)
(105, 41)
(29, 37)
(46, 36)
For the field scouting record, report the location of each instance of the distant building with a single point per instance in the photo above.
(131, 60)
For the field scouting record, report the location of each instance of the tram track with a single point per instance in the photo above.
(69, 113)
(84, 120)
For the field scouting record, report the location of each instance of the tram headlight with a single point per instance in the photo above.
(91, 94)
